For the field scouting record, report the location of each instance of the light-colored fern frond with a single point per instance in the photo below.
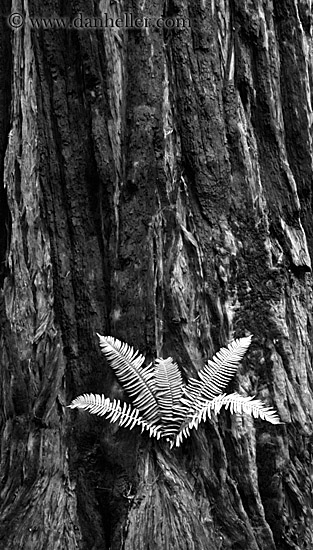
(169, 385)
(163, 405)
(217, 373)
(125, 414)
(235, 403)
(136, 379)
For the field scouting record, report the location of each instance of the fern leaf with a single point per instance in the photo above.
(137, 380)
(163, 405)
(238, 404)
(218, 372)
(169, 389)
(235, 403)
(125, 415)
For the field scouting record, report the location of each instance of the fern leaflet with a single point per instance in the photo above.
(137, 380)
(236, 403)
(169, 391)
(125, 415)
(218, 372)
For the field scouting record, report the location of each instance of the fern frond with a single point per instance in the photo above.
(217, 373)
(136, 379)
(125, 415)
(235, 403)
(169, 389)
(163, 405)
(238, 404)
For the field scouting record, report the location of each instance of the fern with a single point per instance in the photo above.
(126, 416)
(218, 372)
(137, 380)
(163, 404)
(236, 403)
(169, 392)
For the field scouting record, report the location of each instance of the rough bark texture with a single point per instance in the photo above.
(156, 186)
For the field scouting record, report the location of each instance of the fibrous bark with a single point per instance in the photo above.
(156, 186)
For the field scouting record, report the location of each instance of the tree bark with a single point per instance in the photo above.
(156, 187)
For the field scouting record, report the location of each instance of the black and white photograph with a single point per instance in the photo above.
(156, 288)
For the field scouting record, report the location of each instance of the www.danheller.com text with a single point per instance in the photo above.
(126, 20)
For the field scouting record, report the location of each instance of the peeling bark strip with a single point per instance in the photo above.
(156, 185)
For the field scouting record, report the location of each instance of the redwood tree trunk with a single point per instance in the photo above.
(155, 186)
